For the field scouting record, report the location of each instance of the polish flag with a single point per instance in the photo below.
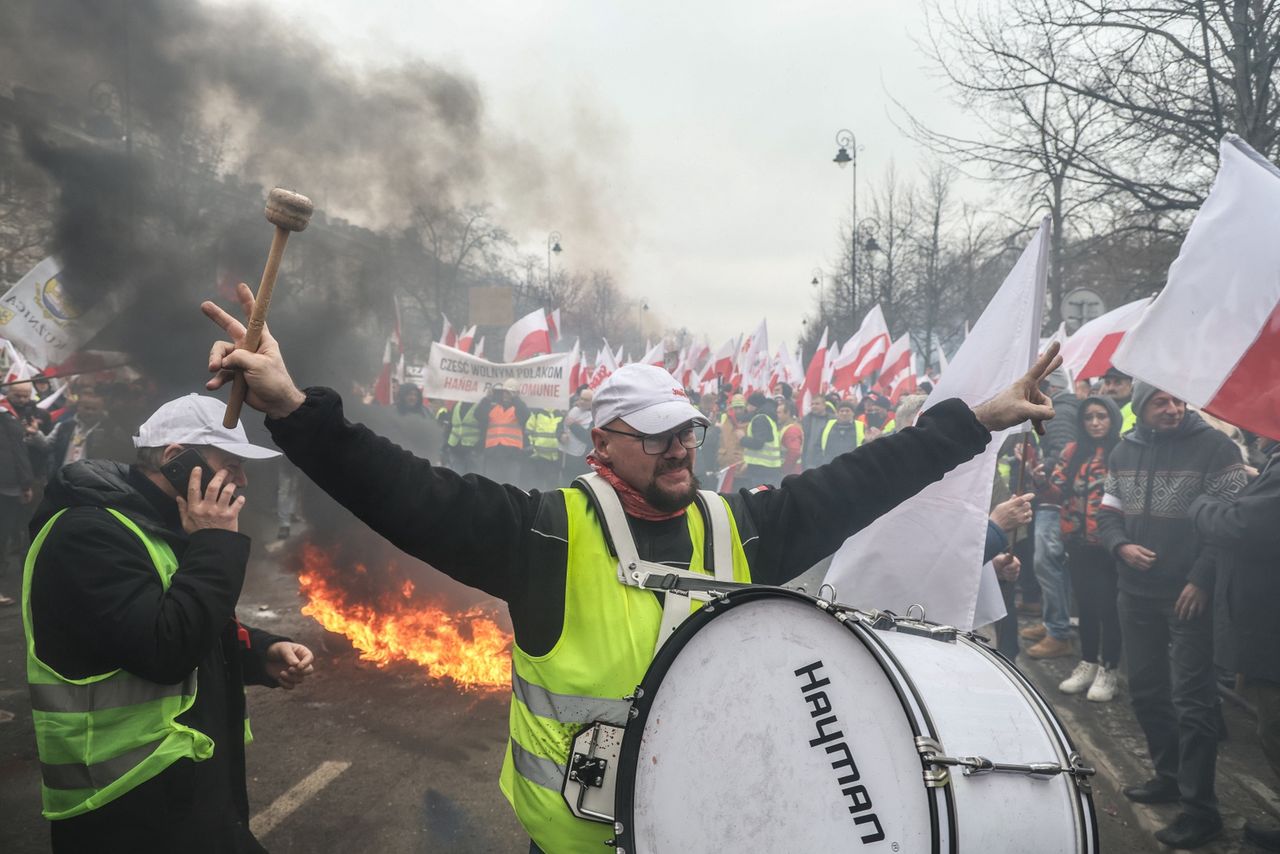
(478, 350)
(873, 342)
(722, 361)
(755, 351)
(382, 385)
(575, 367)
(813, 376)
(1087, 353)
(527, 338)
(553, 324)
(448, 335)
(606, 364)
(898, 376)
(655, 356)
(844, 365)
(1212, 337)
(465, 339)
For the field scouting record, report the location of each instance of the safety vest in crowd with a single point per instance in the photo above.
(103, 736)
(860, 432)
(768, 455)
(465, 430)
(543, 427)
(504, 430)
(606, 645)
(1128, 420)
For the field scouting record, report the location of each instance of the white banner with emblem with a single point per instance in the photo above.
(454, 375)
(42, 324)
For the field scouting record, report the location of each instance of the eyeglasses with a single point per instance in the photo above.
(689, 437)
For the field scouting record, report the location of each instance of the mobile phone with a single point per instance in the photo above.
(178, 471)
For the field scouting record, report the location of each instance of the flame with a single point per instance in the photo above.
(466, 647)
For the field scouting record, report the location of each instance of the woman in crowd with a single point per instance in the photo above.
(1076, 484)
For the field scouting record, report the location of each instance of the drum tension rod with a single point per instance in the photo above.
(931, 752)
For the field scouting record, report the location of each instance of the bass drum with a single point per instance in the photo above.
(775, 722)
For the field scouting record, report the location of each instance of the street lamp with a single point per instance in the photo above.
(847, 155)
(553, 245)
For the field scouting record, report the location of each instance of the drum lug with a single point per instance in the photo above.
(1081, 772)
(936, 775)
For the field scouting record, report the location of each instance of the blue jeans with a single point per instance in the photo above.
(1051, 572)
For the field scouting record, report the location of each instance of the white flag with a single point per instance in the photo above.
(36, 316)
(928, 550)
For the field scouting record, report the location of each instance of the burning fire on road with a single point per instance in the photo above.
(389, 621)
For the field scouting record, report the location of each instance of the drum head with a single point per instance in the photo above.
(766, 725)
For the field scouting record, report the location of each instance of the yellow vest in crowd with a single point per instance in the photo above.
(543, 428)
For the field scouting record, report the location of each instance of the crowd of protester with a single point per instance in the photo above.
(1140, 535)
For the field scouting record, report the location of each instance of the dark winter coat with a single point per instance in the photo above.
(1246, 530)
(1152, 479)
(97, 605)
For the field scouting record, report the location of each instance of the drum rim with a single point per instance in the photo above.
(628, 756)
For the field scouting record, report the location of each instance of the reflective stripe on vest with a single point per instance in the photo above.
(503, 429)
(465, 430)
(102, 736)
(769, 455)
(859, 433)
(606, 644)
(544, 435)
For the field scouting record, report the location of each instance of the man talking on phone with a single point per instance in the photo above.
(136, 663)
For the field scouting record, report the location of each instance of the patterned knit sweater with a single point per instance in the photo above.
(1152, 478)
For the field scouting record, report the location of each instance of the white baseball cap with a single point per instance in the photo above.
(646, 397)
(197, 420)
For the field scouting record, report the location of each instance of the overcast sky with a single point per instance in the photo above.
(709, 127)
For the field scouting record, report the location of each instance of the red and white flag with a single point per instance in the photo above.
(898, 376)
(722, 361)
(465, 339)
(606, 364)
(814, 375)
(655, 356)
(553, 325)
(448, 335)
(478, 350)
(1212, 336)
(527, 338)
(382, 385)
(844, 365)
(756, 351)
(873, 343)
(1087, 353)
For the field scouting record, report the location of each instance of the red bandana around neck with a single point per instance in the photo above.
(633, 503)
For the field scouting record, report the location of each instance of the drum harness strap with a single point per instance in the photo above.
(669, 580)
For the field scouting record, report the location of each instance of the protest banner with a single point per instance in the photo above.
(454, 375)
(41, 322)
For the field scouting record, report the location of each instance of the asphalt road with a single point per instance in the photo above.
(363, 759)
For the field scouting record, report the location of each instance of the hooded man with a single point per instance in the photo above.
(585, 631)
(1166, 577)
(136, 663)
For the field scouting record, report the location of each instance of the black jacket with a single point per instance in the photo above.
(1152, 478)
(97, 605)
(1246, 529)
(502, 540)
(15, 462)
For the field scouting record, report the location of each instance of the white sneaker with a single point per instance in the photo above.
(1080, 679)
(1103, 689)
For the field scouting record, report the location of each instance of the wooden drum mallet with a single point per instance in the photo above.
(287, 211)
